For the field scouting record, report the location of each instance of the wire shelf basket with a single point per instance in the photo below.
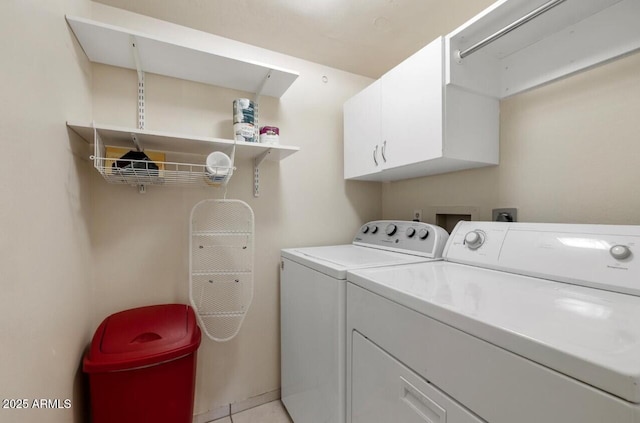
(141, 172)
(156, 172)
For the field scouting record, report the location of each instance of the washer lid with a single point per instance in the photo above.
(335, 260)
(589, 334)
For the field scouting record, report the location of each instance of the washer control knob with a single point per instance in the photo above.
(365, 229)
(391, 229)
(620, 252)
(423, 234)
(410, 232)
(373, 229)
(473, 240)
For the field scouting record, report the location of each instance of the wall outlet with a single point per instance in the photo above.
(417, 215)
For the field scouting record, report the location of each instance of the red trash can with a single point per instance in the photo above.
(142, 365)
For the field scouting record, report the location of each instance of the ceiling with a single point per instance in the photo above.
(366, 37)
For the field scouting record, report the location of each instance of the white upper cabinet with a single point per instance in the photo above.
(412, 108)
(439, 109)
(362, 156)
(406, 124)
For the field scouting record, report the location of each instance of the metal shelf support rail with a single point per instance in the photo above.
(141, 105)
(259, 159)
(136, 59)
(256, 172)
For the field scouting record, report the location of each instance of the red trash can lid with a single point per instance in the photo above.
(142, 337)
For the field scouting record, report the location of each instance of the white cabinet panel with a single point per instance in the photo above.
(362, 154)
(412, 108)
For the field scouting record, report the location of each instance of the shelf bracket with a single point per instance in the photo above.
(136, 142)
(256, 172)
(263, 84)
(256, 104)
(136, 59)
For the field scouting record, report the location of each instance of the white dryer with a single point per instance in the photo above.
(313, 313)
(521, 323)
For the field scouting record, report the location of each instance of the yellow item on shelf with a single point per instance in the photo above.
(113, 154)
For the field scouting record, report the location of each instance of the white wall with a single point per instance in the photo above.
(74, 249)
(140, 241)
(569, 152)
(44, 213)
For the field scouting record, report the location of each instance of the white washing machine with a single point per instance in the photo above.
(313, 314)
(521, 323)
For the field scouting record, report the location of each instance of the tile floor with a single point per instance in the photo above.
(271, 412)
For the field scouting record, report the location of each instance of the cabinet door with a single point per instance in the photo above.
(362, 133)
(412, 108)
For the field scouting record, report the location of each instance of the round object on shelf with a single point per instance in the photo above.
(218, 167)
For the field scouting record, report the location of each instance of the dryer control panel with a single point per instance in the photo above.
(599, 256)
(417, 238)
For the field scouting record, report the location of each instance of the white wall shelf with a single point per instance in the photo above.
(170, 173)
(179, 143)
(179, 57)
(112, 45)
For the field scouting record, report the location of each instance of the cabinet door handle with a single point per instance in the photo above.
(375, 153)
(384, 148)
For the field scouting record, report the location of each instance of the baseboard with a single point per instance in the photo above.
(211, 415)
(236, 407)
(239, 406)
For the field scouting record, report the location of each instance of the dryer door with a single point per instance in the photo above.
(384, 391)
